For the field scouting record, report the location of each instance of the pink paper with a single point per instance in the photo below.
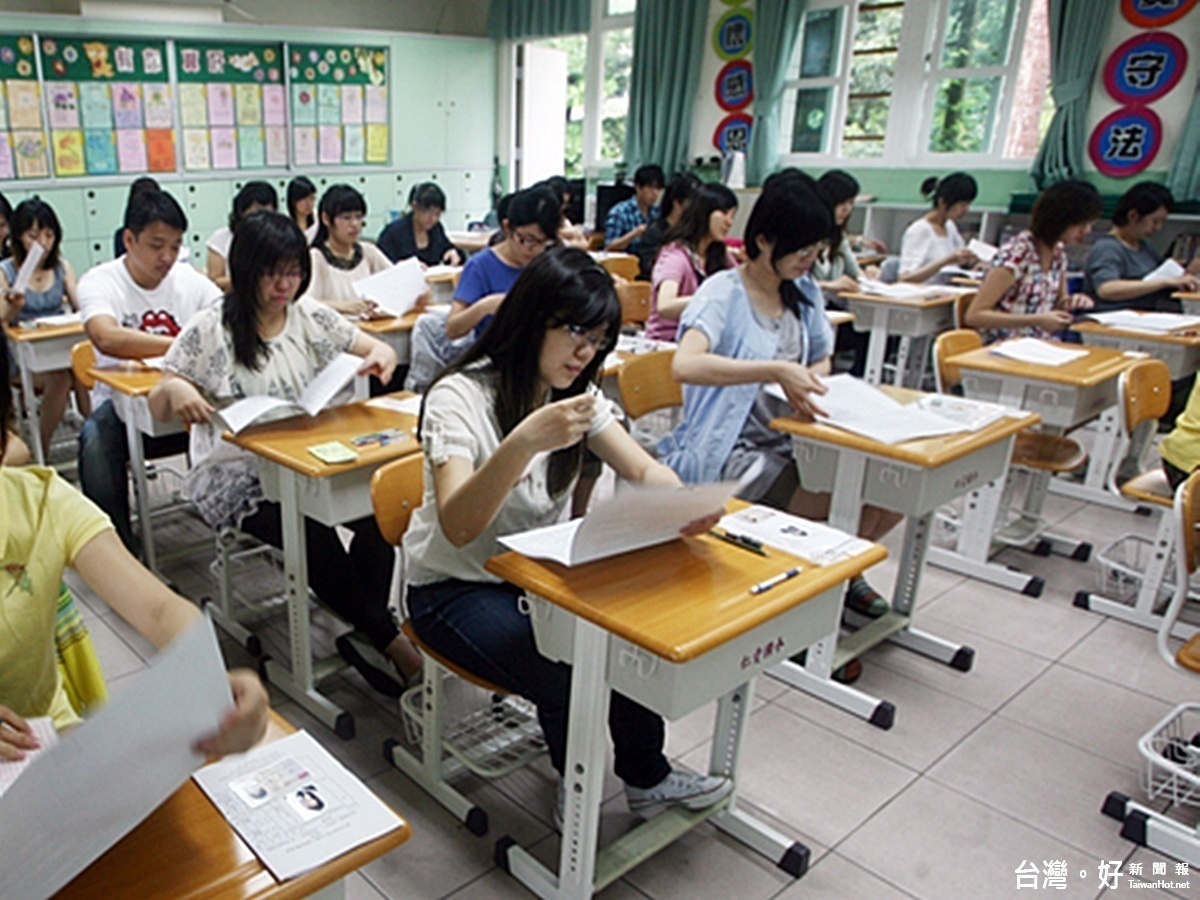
(220, 105)
(304, 144)
(127, 105)
(377, 105)
(64, 106)
(131, 150)
(276, 145)
(274, 104)
(224, 147)
(352, 104)
(329, 150)
(6, 157)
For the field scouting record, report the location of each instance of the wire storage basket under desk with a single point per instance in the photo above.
(1171, 757)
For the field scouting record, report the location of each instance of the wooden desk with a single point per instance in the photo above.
(1179, 349)
(870, 258)
(470, 241)
(38, 349)
(131, 384)
(186, 848)
(915, 322)
(1190, 301)
(671, 627)
(329, 494)
(913, 478)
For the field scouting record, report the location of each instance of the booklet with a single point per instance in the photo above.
(33, 259)
(1038, 352)
(1152, 322)
(815, 541)
(294, 804)
(1169, 268)
(320, 391)
(634, 518)
(395, 289)
(43, 730)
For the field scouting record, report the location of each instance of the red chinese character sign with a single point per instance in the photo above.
(733, 40)
(1155, 13)
(735, 85)
(733, 133)
(1126, 141)
(1145, 67)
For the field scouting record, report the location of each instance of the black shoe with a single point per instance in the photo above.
(375, 667)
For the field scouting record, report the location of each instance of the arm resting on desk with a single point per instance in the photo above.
(112, 339)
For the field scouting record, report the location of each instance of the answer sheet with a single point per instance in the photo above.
(43, 730)
(396, 289)
(1032, 350)
(815, 541)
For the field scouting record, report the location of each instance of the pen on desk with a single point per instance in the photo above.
(740, 540)
(764, 586)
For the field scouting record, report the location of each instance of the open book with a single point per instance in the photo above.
(1032, 350)
(635, 518)
(395, 289)
(322, 389)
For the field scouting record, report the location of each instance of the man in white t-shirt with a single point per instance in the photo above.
(132, 308)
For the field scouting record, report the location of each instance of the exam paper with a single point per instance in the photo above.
(900, 290)
(33, 259)
(43, 730)
(107, 775)
(294, 804)
(638, 343)
(69, 318)
(410, 405)
(983, 251)
(634, 518)
(320, 391)
(814, 541)
(395, 289)
(1166, 270)
(1032, 350)
(1151, 322)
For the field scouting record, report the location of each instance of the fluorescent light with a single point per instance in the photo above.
(189, 11)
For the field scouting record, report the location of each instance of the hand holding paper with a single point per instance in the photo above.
(396, 289)
(557, 425)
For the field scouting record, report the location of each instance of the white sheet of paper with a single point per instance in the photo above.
(1031, 350)
(982, 250)
(972, 414)
(814, 541)
(43, 730)
(1151, 322)
(69, 318)
(317, 395)
(409, 405)
(107, 775)
(395, 289)
(1167, 269)
(900, 290)
(639, 343)
(294, 804)
(634, 518)
(32, 260)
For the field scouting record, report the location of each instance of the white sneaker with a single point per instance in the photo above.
(687, 789)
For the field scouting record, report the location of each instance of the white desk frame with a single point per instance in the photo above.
(915, 326)
(35, 357)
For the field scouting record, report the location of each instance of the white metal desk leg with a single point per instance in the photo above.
(141, 489)
(24, 365)
(876, 348)
(903, 350)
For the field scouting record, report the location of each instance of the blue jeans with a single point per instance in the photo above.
(103, 456)
(478, 626)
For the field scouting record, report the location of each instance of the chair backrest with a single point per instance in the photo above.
(635, 302)
(625, 265)
(646, 384)
(83, 358)
(948, 344)
(1145, 392)
(397, 490)
(961, 305)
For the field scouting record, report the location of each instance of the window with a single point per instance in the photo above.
(958, 66)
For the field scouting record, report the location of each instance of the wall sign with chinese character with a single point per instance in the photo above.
(339, 104)
(733, 133)
(1145, 67)
(22, 131)
(733, 37)
(232, 105)
(1126, 141)
(1155, 13)
(109, 103)
(735, 85)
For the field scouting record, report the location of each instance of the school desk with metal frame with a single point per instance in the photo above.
(914, 322)
(37, 349)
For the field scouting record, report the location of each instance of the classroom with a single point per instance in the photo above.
(380, 341)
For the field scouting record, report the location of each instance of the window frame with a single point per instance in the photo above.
(601, 24)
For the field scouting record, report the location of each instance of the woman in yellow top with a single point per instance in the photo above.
(1180, 449)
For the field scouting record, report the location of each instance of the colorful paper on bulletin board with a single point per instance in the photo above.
(24, 105)
(247, 101)
(16, 57)
(1126, 141)
(274, 99)
(304, 145)
(200, 61)
(7, 169)
(103, 59)
(160, 149)
(220, 104)
(127, 105)
(193, 106)
(195, 149)
(329, 145)
(1155, 13)
(29, 150)
(377, 143)
(100, 151)
(377, 104)
(64, 106)
(3, 108)
(338, 64)
(252, 151)
(95, 105)
(1145, 67)
(329, 104)
(354, 148)
(352, 104)
(277, 148)
(68, 153)
(131, 150)
(304, 104)
(224, 148)
(156, 104)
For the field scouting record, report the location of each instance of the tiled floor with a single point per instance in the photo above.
(982, 771)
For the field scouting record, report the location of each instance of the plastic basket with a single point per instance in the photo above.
(1121, 564)
(1175, 775)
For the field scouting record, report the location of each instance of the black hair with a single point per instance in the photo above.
(679, 191)
(6, 213)
(151, 205)
(956, 188)
(534, 206)
(789, 217)
(1145, 197)
(35, 213)
(425, 195)
(835, 187)
(298, 189)
(797, 181)
(340, 198)
(649, 175)
(1062, 205)
(561, 188)
(261, 243)
(6, 404)
(138, 186)
(563, 286)
(692, 226)
(252, 192)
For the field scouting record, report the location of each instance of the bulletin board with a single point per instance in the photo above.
(339, 104)
(22, 131)
(109, 105)
(232, 105)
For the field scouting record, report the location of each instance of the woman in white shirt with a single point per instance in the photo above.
(255, 195)
(932, 242)
(339, 258)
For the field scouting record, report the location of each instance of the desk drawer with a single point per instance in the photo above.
(331, 501)
(1061, 406)
(676, 689)
(915, 490)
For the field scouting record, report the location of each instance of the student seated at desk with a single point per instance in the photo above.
(301, 203)
(674, 201)
(132, 308)
(1024, 293)
(836, 270)
(504, 431)
(52, 285)
(760, 323)
(932, 242)
(1119, 261)
(262, 341)
(253, 196)
(693, 250)
(419, 232)
(569, 234)
(339, 258)
(47, 525)
(628, 220)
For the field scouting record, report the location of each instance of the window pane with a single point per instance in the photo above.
(618, 63)
(963, 115)
(866, 124)
(575, 46)
(878, 26)
(977, 33)
(811, 118)
(819, 47)
(872, 71)
(621, 7)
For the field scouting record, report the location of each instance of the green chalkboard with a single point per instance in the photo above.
(102, 59)
(338, 64)
(201, 61)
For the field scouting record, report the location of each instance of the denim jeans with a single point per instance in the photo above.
(103, 456)
(479, 626)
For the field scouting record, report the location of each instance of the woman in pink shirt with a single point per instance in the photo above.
(692, 250)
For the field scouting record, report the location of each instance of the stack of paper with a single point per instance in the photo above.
(69, 318)
(1151, 322)
(638, 343)
(1041, 353)
(320, 391)
(396, 289)
(813, 541)
(983, 251)
(443, 269)
(900, 291)
(1168, 270)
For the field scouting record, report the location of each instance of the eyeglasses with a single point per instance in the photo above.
(284, 275)
(531, 243)
(581, 336)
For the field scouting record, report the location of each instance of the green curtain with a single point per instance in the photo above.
(668, 44)
(1184, 177)
(776, 30)
(1078, 29)
(519, 20)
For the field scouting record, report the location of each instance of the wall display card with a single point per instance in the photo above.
(24, 104)
(95, 104)
(160, 149)
(304, 104)
(304, 140)
(68, 153)
(3, 108)
(377, 143)
(127, 105)
(193, 106)
(247, 99)
(352, 104)
(29, 150)
(354, 148)
(156, 104)
(377, 104)
(220, 104)
(340, 85)
(251, 148)
(276, 139)
(7, 168)
(274, 100)
(224, 148)
(20, 105)
(329, 145)
(64, 106)
(100, 151)
(329, 104)
(131, 150)
(195, 149)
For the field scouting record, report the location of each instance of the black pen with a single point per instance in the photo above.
(764, 586)
(739, 540)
